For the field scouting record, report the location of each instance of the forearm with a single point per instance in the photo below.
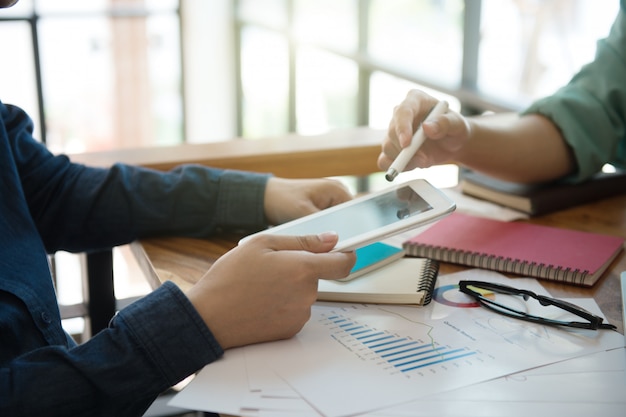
(93, 208)
(78, 208)
(525, 149)
(150, 346)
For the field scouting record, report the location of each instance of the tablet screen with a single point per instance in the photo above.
(367, 215)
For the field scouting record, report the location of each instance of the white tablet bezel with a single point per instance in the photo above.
(440, 203)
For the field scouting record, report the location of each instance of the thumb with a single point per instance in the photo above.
(323, 242)
(436, 127)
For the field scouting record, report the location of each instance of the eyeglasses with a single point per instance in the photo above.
(480, 290)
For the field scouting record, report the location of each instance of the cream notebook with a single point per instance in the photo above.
(404, 281)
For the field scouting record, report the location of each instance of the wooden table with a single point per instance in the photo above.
(185, 260)
(350, 151)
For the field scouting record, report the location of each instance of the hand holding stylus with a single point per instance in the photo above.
(400, 163)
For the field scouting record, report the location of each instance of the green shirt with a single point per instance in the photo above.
(590, 111)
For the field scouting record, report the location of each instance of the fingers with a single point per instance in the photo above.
(437, 127)
(317, 243)
(411, 112)
(327, 193)
(336, 265)
(407, 116)
(340, 194)
(323, 242)
(446, 134)
(288, 199)
(384, 161)
(451, 124)
(332, 265)
(401, 128)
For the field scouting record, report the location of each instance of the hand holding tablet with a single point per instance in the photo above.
(374, 216)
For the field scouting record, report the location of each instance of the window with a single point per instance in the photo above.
(116, 85)
(149, 72)
(350, 61)
(311, 65)
(543, 43)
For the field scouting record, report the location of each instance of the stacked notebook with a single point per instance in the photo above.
(526, 249)
(542, 198)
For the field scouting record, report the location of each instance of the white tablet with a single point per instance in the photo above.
(374, 216)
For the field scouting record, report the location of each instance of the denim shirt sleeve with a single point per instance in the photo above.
(590, 111)
(149, 346)
(48, 203)
(80, 208)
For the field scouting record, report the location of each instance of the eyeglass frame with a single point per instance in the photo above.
(593, 322)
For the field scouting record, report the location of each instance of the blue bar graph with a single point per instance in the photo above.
(403, 353)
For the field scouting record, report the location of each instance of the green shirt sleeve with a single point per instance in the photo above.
(590, 111)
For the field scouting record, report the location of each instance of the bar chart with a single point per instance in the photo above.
(415, 354)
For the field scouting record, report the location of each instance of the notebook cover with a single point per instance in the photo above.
(483, 241)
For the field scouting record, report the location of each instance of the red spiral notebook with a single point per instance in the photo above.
(530, 250)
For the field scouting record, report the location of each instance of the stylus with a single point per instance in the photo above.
(418, 139)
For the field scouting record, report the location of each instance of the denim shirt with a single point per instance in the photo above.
(48, 204)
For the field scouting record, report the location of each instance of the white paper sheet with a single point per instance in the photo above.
(482, 208)
(588, 385)
(338, 372)
(220, 387)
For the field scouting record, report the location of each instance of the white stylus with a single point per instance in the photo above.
(418, 139)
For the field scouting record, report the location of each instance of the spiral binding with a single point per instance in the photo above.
(498, 263)
(428, 280)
